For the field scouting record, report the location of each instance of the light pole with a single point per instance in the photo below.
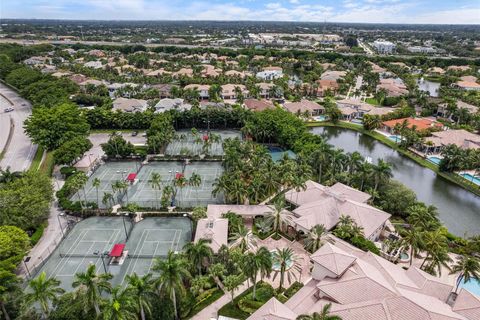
(124, 225)
(97, 253)
(60, 223)
(26, 267)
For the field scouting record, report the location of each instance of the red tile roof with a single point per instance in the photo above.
(420, 123)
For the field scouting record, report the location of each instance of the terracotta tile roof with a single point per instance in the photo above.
(420, 123)
(273, 310)
(467, 304)
(258, 105)
(213, 230)
(333, 258)
(468, 84)
(302, 106)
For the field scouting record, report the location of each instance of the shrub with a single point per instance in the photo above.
(364, 244)
(37, 234)
(293, 289)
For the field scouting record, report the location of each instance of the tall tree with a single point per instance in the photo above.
(199, 254)
(42, 290)
(468, 268)
(323, 315)
(142, 290)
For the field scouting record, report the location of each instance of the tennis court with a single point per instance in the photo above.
(84, 245)
(185, 140)
(143, 194)
(107, 173)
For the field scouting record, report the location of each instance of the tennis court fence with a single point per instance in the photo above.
(92, 255)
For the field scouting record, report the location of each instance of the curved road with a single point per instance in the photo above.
(20, 152)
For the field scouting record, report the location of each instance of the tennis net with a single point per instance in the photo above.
(135, 256)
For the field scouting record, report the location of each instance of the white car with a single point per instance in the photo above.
(8, 110)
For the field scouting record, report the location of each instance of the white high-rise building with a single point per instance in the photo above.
(384, 47)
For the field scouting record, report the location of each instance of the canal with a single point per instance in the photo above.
(459, 210)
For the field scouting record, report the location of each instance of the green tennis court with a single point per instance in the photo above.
(186, 140)
(84, 245)
(143, 194)
(107, 173)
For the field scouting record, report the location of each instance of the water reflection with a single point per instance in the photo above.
(458, 209)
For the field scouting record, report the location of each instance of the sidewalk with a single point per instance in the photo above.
(51, 235)
(211, 312)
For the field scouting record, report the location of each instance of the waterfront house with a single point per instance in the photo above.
(420, 124)
(333, 75)
(258, 105)
(171, 104)
(442, 110)
(270, 73)
(305, 106)
(461, 138)
(202, 89)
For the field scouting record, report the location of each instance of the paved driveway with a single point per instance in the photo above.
(21, 151)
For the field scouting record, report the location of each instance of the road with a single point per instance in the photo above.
(20, 152)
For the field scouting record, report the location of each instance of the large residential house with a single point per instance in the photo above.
(352, 109)
(311, 107)
(258, 105)
(442, 110)
(201, 88)
(183, 72)
(393, 87)
(229, 91)
(93, 64)
(420, 124)
(467, 85)
(129, 105)
(333, 75)
(265, 89)
(360, 285)
(461, 138)
(270, 73)
(172, 104)
(318, 204)
(325, 86)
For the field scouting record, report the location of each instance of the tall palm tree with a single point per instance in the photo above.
(107, 199)
(279, 216)
(468, 268)
(437, 260)
(321, 156)
(96, 184)
(195, 181)
(381, 172)
(42, 290)
(315, 238)
(323, 315)
(364, 171)
(173, 273)
(156, 184)
(254, 262)
(199, 254)
(355, 160)
(243, 238)
(413, 237)
(142, 290)
(217, 271)
(435, 244)
(282, 258)
(91, 285)
(120, 305)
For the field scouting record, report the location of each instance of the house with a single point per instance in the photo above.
(325, 86)
(183, 72)
(467, 85)
(202, 89)
(235, 73)
(352, 108)
(158, 72)
(328, 65)
(461, 138)
(318, 204)
(96, 53)
(421, 49)
(258, 105)
(210, 71)
(129, 105)
(376, 68)
(163, 90)
(93, 82)
(435, 71)
(78, 78)
(360, 285)
(304, 106)
(36, 60)
(420, 124)
(265, 89)
(333, 75)
(458, 68)
(229, 91)
(393, 87)
(442, 110)
(171, 104)
(270, 73)
(93, 64)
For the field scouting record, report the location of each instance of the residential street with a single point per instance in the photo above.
(21, 151)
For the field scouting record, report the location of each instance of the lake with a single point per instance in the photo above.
(459, 209)
(429, 86)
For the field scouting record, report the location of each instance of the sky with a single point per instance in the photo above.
(370, 11)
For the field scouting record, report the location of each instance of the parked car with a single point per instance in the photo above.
(134, 133)
(8, 110)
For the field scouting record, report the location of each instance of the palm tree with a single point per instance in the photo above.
(254, 262)
(364, 171)
(173, 273)
(321, 155)
(323, 315)
(199, 213)
(232, 282)
(198, 253)
(216, 271)
(91, 285)
(315, 238)
(156, 184)
(279, 216)
(96, 183)
(413, 237)
(282, 258)
(120, 306)
(381, 172)
(468, 268)
(243, 238)
(435, 244)
(107, 199)
(142, 290)
(195, 181)
(42, 290)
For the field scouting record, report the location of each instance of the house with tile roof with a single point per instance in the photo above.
(420, 124)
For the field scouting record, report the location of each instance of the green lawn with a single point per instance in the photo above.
(372, 101)
(37, 159)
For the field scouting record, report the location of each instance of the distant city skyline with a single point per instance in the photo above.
(362, 11)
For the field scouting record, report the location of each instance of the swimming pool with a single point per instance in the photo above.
(357, 121)
(471, 178)
(435, 160)
(277, 153)
(320, 118)
(397, 139)
(473, 286)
